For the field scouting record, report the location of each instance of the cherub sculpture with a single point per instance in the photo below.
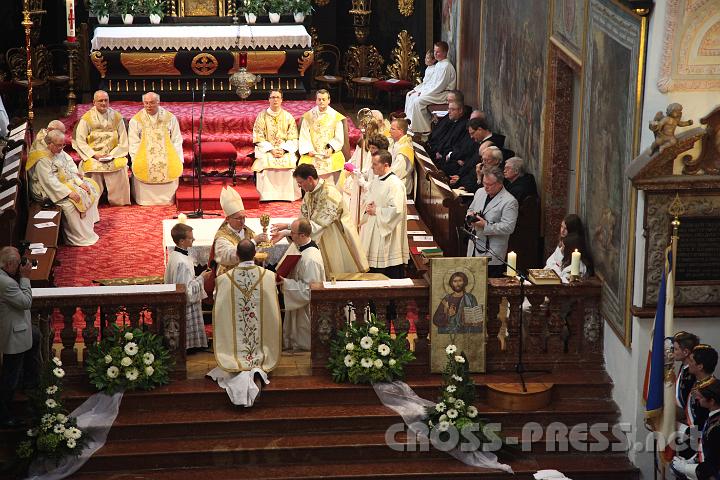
(663, 126)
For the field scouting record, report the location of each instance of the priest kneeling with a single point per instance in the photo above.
(246, 327)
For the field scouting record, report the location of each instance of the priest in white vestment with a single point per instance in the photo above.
(247, 327)
(322, 138)
(54, 176)
(156, 153)
(353, 185)
(101, 140)
(275, 137)
(383, 227)
(296, 287)
(333, 228)
(432, 92)
(403, 155)
(181, 270)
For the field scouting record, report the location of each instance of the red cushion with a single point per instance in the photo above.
(386, 86)
(219, 150)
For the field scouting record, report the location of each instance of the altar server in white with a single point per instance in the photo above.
(181, 270)
(156, 153)
(433, 91)
(296, 287)
(383, 226)
(275, 137)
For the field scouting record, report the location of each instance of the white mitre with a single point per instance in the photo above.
(230, 201)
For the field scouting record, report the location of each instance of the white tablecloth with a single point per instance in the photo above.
(204, 230)
(201, 37)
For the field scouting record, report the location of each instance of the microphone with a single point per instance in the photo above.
(467, 232)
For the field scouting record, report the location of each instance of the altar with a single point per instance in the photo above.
(176, 59)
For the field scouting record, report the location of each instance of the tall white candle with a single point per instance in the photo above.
(70, 19)
(575, 263)
(182, 218)
(512, 264)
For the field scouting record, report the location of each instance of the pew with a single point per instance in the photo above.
(13, 211)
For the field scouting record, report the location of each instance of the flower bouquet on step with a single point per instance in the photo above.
(128, 359)
(53, 434)
(366, 353)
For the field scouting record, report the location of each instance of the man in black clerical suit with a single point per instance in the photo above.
(463, 154)
(517, 181)
(448, 132)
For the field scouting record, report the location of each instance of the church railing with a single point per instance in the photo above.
(562, 326)
(83, 314)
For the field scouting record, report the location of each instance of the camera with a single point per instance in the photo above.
(470, 219)
(22, 248)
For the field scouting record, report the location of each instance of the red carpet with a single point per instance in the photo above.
(211, 189)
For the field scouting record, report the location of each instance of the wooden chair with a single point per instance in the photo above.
(327, 68)
(403, 72)
(16, 59)
(53, 66)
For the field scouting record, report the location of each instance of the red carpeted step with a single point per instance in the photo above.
(211, 194)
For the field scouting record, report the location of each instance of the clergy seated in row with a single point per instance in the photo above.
(431, 91)
(518, 181)
(54, 178)
(460, 161)
(155, 145)
(296, 286)
(275, 137)
(383, 225)
(333, 228)
(322, 138)
(101, 140)
(181, 270)
(247, 327)
(354, 184)
(448, 133)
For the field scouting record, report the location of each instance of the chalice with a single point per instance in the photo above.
(265, 222)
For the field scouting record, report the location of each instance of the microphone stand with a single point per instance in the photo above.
(520, 365)
(198, 160)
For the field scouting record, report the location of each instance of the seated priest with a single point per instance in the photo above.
(247, 327)
(54, 177)
(101, 141)
(403, 155)
(296, 286)
(156, 153)
(383, 225)
(434, 91)
(275, 137)
(517, 181)
(231, 231)
(447, 134)
(322, 138)
(38, 148)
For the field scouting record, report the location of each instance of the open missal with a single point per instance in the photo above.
(288, 261)
(543, 276)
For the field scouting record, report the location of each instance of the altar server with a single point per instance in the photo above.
(322, 138)
(403, 155)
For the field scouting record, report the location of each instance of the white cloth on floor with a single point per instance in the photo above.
(240, 387)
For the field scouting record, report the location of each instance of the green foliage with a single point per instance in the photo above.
(279, 6)
(154, 7)
(366, 353)
(100, 8)
(128, 359)
(127, 6)
(301, 6)
(256, 7)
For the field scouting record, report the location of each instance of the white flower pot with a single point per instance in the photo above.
(299, 17)
(274, 17)
(127, 18)
(103, 20)
(250, 17)
(155, 18)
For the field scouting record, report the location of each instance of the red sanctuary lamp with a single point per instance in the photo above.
(242, 60)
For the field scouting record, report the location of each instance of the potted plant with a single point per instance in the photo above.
(155, 10)
(252, 9)
(276, 8)
(101, 9)
(126, 9)
(301, 8)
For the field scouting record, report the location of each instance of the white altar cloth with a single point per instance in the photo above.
(200, 37)
(204, 230)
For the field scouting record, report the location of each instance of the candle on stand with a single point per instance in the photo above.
(575, 264)
(70, 19)
(182, 218)
(512, 264)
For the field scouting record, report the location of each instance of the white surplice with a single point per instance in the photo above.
(296, 291)
(384, 235)
(432, 92)
(180, 270)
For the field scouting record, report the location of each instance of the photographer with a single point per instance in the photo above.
(492, 216)
(19, 341)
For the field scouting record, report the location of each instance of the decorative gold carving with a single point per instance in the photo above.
(260, 62)
(405, 59)
(100, 63)
(363, 61)
(305, 61)
(676, 208)
(149, 64)
(204, 64)
(406, 7)
(200, 8)
(322, 3)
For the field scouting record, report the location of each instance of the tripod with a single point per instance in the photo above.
(519, 366)
(197, 164)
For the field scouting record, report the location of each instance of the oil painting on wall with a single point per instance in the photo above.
(450, 23)
(568, 24)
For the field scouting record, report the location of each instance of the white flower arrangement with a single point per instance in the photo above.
(58, 372)
(373, 330)
(440, 407)
(131, 348)
(128, 336)
(108, 359)
(451, 388)
(132, 374)
(149, 371)
(450, 349)
(350, 347)
(51, 403)
(378, 363)
(57, 361)
(366, 362)
(366, 343)
(148, 358)
(383, 350)
(459, 359)
(112, 372)
(51, 390)
(126, 362)
(349, 361)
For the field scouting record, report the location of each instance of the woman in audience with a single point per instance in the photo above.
(571, 243)
(571, 224)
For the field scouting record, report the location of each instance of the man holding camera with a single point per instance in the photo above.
(19, 341)
(492, 216)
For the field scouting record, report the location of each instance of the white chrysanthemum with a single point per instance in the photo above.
(374, 330)
(450, 349)
(58, 372)
(149, 371)
(67, 433)
(126, 361)
(443, 426)
(452, 413)
(349, 361)
(450, 399)
(50, 403)
(378, 363)
(443, 418)
(440, 407)
(392, 362)
(61, 418)
(148, 358)
(132, 374)
(472, 411)
(108, 359)
(383, 350)
(366, 343)
(57, 361)
(112, 372)
(59, 428)
(459, 403)
(71, 443)
(366, 362)
(128, 336)
(451, 388)
(131, 348)
(48, 418)
(457, 378)
(350, 347)
(32, 432)
(51, 390)
(75, 433)
(459, 359)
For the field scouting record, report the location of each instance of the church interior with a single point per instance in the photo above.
(535, 183)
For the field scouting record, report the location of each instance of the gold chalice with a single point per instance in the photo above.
(265, 222)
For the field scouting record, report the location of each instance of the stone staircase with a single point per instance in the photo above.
(309, 427)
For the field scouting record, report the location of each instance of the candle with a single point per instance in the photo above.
(70, 19)
(512, 264)
(182, 218)
(575, 264)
